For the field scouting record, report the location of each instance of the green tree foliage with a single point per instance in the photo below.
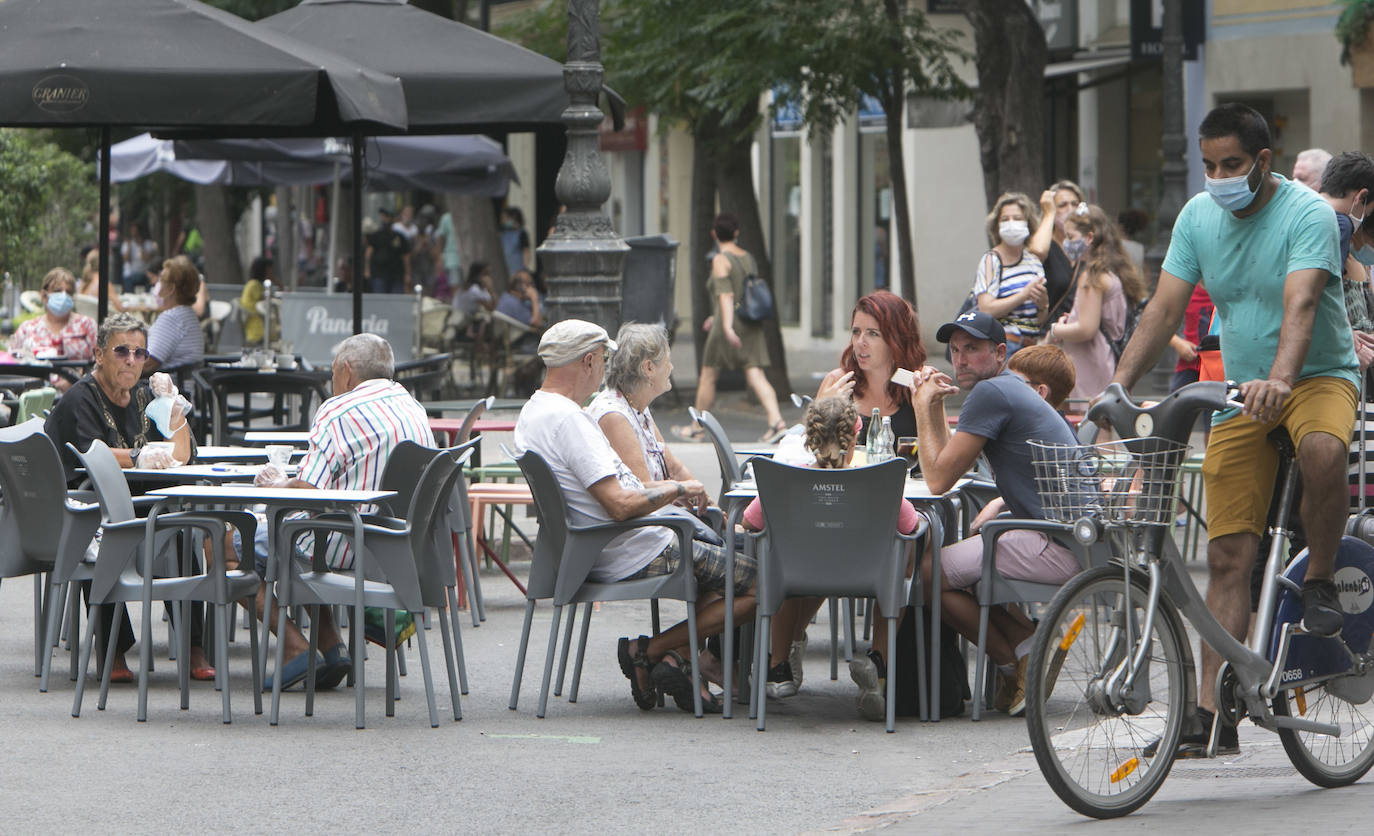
(47, 200)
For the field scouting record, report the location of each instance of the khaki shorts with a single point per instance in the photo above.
(1238, 471)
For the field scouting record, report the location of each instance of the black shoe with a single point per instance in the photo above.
(1321, 609)
(1194, 745)
(780, 683)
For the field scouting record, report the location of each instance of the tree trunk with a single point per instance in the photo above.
(474, 223)
(699, 241)
(735, 185)
(1008, 110)
(222, 265)
(894, 100)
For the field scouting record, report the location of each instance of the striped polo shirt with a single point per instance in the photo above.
(351, 439)
(175, 338)
(1021, 321)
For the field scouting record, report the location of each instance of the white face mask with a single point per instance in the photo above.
(1358, 222)
(1013, 232)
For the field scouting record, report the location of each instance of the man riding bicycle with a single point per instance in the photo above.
(1267, 250)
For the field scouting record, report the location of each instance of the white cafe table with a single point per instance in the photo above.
(279, 502)
(222, 453)
(277, 437)
(215, 473)
(915, 491)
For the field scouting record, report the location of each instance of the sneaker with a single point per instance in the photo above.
(870, 674)
(780, 683)
(1321, 609)
(1194, 745)
(1017, 706)
(795, 655)
(1006, 689)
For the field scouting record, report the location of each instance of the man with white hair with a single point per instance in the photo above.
(1308, 167)
(599, 488)
(351, 439)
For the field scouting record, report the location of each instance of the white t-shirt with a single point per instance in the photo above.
(608, 401)
(580, 456)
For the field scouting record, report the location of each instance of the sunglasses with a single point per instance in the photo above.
(123, 352)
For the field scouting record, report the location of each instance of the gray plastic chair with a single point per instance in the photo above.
(42, 531)
(386, 573)
(461, 526)
(994, 590)
(833, 532)
(124, 571)
(564, 555)
(730, 470)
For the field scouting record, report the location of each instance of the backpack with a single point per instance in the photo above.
(1133, 312)
(954, 687)
(755, 302)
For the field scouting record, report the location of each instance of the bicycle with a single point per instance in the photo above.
(1110, 682)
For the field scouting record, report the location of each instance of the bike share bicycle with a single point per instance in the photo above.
(1110, 682)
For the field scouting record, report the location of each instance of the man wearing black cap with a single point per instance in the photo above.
(387, 260)
(1000, 415)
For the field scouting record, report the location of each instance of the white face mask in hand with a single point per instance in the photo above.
(1013, 232)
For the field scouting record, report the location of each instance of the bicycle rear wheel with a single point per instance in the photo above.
(1104, 756)
(1324, 760)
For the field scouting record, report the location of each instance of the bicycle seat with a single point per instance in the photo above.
(1282, 442)
(1172, 417)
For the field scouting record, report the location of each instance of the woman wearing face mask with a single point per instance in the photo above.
(59, 331)
(1107, 282)
(1010, 282)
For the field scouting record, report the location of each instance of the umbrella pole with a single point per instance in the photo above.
(357, 232)
(333, 234)
(103, 302)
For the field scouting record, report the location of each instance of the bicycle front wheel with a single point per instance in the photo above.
(1324, 760)
(1105, 747)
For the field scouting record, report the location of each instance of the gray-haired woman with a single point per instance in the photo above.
(638, 372)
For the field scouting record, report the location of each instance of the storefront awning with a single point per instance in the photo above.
(1087, 63)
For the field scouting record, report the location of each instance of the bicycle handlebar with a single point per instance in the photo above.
(1172, 417)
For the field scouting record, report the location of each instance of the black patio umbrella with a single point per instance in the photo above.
(457, 79)
(176, 64)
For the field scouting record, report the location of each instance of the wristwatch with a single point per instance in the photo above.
(133, 456)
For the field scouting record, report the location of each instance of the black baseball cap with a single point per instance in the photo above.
(976, 324)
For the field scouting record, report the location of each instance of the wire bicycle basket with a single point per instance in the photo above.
(1132, 482)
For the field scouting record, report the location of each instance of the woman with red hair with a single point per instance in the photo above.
(883, 337)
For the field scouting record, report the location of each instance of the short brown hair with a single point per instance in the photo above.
(57, 276)
(184, 279)
(1047, 364)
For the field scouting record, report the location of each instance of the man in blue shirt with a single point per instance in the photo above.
(1268, 251)
(1000, 417)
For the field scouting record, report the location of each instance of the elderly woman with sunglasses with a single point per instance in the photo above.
(110, 404)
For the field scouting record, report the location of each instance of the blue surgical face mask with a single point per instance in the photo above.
(60, 303)
(1364, 255)
(1233, 193)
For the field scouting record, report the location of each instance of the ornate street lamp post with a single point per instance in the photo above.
(584, 256)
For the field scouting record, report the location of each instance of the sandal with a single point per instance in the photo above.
(690, 432)
(673, 676)
(774, 433)
(631, 665)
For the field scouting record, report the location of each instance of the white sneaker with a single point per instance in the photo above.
(794, 658)
(871, 702)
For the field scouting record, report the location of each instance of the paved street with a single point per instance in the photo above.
(599, 765)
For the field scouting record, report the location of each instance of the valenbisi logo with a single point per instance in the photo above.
(61, 94)
(1355, 589)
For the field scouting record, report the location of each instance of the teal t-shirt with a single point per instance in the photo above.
(1244, 262)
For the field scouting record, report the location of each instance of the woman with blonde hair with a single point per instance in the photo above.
(90, 281)
(1107, 282)
(1009, 283)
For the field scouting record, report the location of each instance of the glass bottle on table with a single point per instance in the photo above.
(884, 449)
